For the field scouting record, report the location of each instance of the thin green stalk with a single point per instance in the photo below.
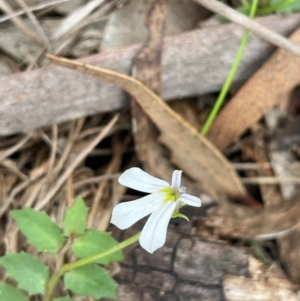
(51, 286)
(70, 266)
(76, 264)
(258, 252)
(57, 274)
(209, 121)
(274, 7)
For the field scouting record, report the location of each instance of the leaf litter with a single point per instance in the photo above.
(47, 168)
(215, 173)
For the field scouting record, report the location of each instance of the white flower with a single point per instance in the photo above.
(164, 203)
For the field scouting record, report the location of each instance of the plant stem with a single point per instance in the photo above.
(93, 258)
(258, 252)
(274, 7)
(70, 266)
(51, 285)
(56, 275)
(230, 76)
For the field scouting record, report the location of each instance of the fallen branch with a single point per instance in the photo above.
(270, 180)
(190, 67)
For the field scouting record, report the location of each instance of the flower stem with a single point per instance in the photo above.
(274, 7)
(51, 285)
(56, 275)
(209, 121)
(70, 266)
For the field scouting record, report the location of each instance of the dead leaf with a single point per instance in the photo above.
(240, 288)
(281, 74)
(194, 154)
(147, 68)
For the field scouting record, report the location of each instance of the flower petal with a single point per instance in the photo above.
(176, 179)
(190, 200)
(126, 214)
(137, 179)
(155, 231)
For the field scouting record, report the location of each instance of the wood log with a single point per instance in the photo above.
(185, 268)
(194, 63)
(188, 268)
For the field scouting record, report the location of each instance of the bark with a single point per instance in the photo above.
(185, 268)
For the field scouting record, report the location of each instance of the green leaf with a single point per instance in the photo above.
(39, 229)
(30, 273)
(75, 219)
(94, 242)
(180, 215)
(63, 299)
(287, 9)
(91, 280)
(10, 293)
(245, 6)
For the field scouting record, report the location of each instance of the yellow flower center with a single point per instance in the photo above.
(172, 195)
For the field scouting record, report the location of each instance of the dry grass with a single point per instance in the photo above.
(46, 169)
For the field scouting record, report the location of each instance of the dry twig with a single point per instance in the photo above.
(236, 17)
(75, 163)
(20, 24)
(76, 17)
(36, 23)
(8, 152)
(271, 180)
(39, 6)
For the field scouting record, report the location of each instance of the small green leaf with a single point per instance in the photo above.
(10, 293)
(63, 299)
(94, 242)
(39, 229)
(75, 219)
(91, 280)
(30, 273)
(180, 215)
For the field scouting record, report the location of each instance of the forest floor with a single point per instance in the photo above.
(65, 134)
